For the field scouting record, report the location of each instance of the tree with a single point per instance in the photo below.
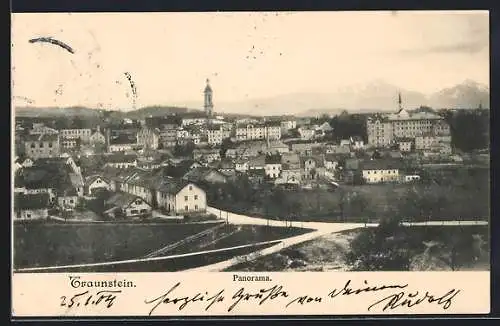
(460, 247)
(381, 249)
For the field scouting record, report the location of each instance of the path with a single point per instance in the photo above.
(320, 229)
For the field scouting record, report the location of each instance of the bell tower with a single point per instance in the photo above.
(208, 104)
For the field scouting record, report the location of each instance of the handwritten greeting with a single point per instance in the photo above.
(387, 297)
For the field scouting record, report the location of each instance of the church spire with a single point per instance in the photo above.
(400, 102)
(208, 104)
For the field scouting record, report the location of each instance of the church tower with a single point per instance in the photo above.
(400, 102)
(209, 106)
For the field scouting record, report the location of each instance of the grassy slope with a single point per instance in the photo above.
(49, 245)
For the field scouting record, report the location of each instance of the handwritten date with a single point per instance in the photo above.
(106, 298)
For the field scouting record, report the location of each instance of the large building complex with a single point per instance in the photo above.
(387, 129)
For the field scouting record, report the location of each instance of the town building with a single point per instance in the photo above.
(269, 130)
(206, 154)
(96, 183)
(383, 129)
(41, 129)
(287, 125)
(82, 134)
(148, 138)
(97, 137)
(123, 205)
(31, 206)
(121, 161)
(43, 145)
(216, 134)
(381, 170)
(272, 166)
(181, 198)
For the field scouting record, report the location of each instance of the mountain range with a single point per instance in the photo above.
(374, 96)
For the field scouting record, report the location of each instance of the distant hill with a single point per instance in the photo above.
(84, 112)
(44, 112)
(377, 96)
(159, 111)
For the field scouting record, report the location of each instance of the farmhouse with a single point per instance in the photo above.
(124, 205)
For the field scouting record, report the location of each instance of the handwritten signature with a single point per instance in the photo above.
(402, 299)
(86, 298)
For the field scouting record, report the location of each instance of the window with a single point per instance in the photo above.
(185, 198)
(195, 207)
(134, 211)
(137, 202)
(143, 211)
(28, 215)
(32, 145)
(71, 201)
(186, 208)
(50, 145)
(195, 197)
(190, 187)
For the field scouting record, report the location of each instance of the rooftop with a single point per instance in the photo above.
(42, 137)
(121, 199)
(381, 164)
(31, 201)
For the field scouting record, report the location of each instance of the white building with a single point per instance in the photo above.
(181, 198)
(271, 131)
(83, 134)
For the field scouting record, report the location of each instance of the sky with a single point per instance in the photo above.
(168, 56)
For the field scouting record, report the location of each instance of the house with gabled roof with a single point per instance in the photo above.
(181, 197)
(124, 205)
(67, 197)
(95, 183)
(205, 175)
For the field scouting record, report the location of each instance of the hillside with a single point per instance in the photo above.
(364, 98)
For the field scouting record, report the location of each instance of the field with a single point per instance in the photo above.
(456, 193)
(169, 265)
(232, 236)
(428, 247)
(69, 244)
(38, 245)
(375, 202)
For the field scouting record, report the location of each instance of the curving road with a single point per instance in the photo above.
(320, 229)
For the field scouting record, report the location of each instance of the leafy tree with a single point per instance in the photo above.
(380, 249)
(460, 247)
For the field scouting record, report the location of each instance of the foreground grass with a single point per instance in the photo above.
(70, 244)
(170, 265)
(38, 244)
